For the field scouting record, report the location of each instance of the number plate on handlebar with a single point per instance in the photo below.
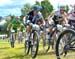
(12, 31)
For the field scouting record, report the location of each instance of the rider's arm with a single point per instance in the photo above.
(9, 26)
(66, 20)
(55, 16)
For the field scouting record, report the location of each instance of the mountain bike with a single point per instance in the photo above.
(33, 41)
(65, 45)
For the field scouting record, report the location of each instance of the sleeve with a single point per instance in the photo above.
(27, 17)
(70, 11)
(54, 17)
(40, 15)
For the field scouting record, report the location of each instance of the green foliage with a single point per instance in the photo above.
(0, 18)
(37, 3)
(12, 16)
(67, 8)
(27, 7)
(4, 28)
(46, 8)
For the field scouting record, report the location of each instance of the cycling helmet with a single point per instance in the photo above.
(62, 8)
(36, 7)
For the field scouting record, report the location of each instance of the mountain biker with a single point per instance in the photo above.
(60, 16)
(22, 30)
(34, 14)
(46, 28)
(32, 17)
(72, 10)
(14, 25)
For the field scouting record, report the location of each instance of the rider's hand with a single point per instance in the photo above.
(7, 29)
(30, 24)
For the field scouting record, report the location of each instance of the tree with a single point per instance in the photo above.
(8, 20)
(46, 8)
(27, 7)
(0, 29)
(0, 18)
(67, 8)
(37, 3)
(4, 28)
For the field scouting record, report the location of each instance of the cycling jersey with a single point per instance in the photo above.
(71, 19)
(47, 25)
(15, 24)
(71, 11)
(30, 16)
(58, 17)
(22, 27)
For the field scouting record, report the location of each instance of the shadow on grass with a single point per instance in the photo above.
(20, 48)
(22, 56)
(41, 53)
(17, 57)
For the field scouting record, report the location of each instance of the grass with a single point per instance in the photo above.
(6, 52)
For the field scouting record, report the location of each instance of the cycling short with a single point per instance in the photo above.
(71, 22)
(56, 22)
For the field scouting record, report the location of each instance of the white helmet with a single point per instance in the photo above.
(62, 7)
(74, 5)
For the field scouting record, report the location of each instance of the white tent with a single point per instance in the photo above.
(2, 22)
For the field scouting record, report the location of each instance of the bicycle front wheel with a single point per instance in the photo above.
(65, 41)
(34, 44)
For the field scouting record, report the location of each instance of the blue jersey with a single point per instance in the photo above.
(32, 18)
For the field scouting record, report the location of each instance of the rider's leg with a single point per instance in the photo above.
(28, 30)
(43, 33)
(19, 37)
(15, 36)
